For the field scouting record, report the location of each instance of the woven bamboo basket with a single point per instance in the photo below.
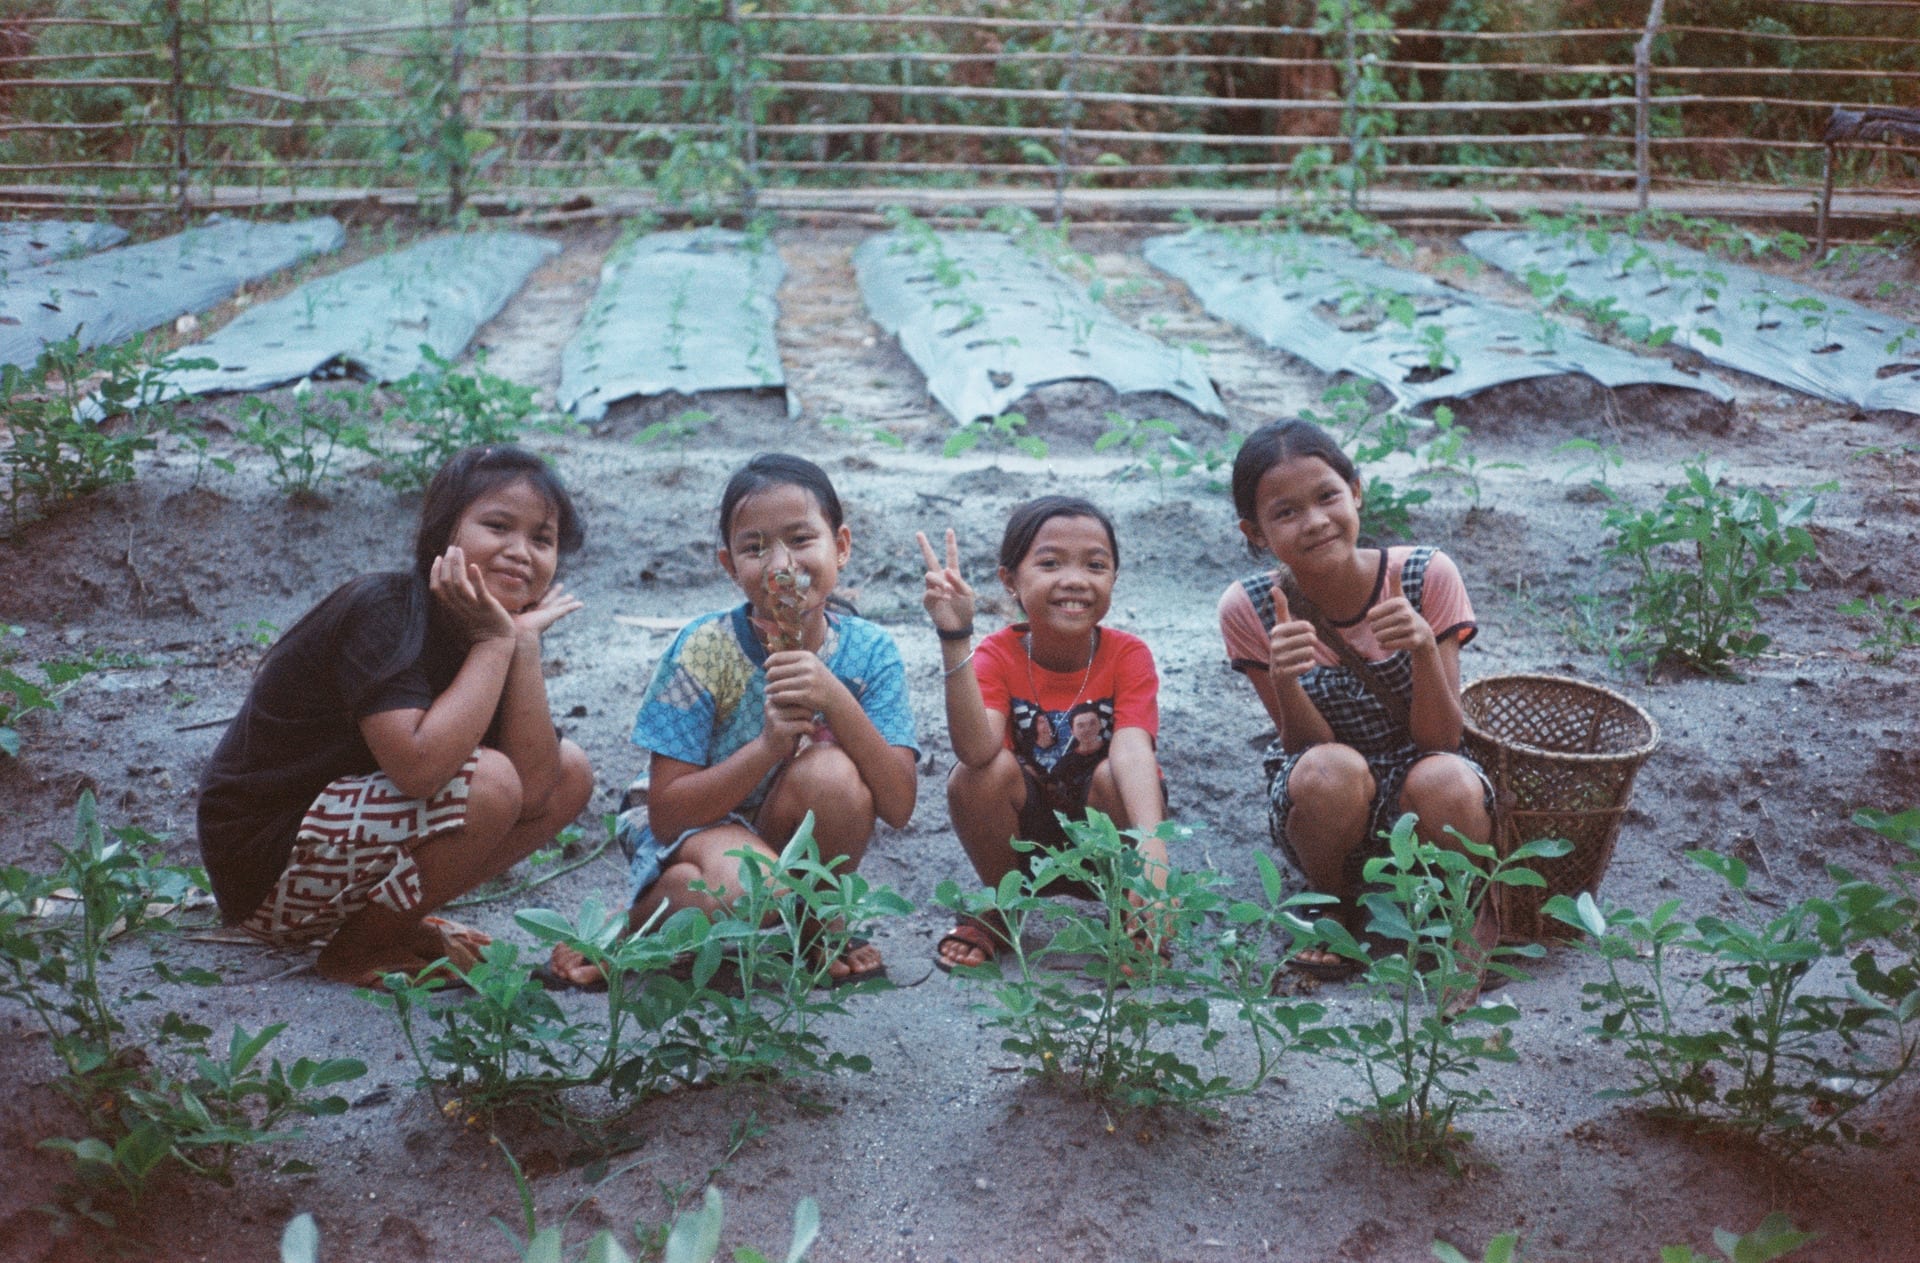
(1562, 755)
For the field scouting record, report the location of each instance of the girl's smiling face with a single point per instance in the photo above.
(513, 534)
(1306, 515)
(784, 520)
(1065, 582)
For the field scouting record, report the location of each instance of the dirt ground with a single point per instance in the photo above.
(944, 1151)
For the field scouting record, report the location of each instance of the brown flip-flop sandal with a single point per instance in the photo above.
(968, 934)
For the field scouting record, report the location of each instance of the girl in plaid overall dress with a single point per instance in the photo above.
(1347, 763)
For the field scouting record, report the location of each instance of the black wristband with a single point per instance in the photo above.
(958, 633)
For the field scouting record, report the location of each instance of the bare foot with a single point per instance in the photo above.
(572, 967)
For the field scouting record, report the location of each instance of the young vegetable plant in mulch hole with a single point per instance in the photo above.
(1780, 1027)
(691, 1000)
(1418, 1061)
(173, 1098)
(54, 451)
(1703, 560)
(1120, 1024)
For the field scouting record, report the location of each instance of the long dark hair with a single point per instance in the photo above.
(466, 477)
(1024, 523)
(779, 469)
(475, 472)
(1276, 443)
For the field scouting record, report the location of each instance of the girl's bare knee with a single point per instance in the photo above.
(1445, 790)
(969, 788)
(494, 795)
(1331, 777)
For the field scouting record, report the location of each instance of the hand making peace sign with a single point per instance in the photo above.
(948, 599)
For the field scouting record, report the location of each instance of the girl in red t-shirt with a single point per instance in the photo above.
(1053, 715)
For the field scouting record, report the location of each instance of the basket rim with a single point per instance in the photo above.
(1640, 751)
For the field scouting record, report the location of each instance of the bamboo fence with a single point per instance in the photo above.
(231, 103)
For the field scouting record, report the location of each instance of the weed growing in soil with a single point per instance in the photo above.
(1105, 1026)
(1004, 430)
(841, 424)
(168, 1099)
(678, 430)
(1419, 1063)
(1703, 560)
(1601, 458)
(56, 412)
(443, 411)
(691, 1000)
(1894, 625)
(21, 696)
(1775, 1238)
(302, 447)
(1163, 452)
(1445, 455)
(1785, 1050)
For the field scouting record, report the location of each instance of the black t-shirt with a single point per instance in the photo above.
(300, 726)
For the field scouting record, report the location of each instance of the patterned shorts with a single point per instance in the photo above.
(355, 849)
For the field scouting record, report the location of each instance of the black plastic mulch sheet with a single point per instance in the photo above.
(371, 318)
(1730, 314)
(987, 322)
(107, 297)
(1321, 299)
(680, 312)
(26, 243)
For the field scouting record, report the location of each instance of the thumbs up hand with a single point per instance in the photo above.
(1290, 644)
(1396, 624)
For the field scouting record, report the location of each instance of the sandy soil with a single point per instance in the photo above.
(944, 1151)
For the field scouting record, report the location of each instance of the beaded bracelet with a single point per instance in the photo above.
(958, 633)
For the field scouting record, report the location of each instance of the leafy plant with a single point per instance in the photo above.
(1703, 560)
(691, 999)
(694, 1237)
(56, 412)
(163, 1100)
(442, 411)
(1113, 1034)
(302, 447)
(839, 423)
(678, 430)
(1775, 1238)
(1162, 451)
(1418, 1060)
(1894, 625)
(1725, 1021)
(1601, 458)
(20, 696)
(1004, 430)
(1446, 455)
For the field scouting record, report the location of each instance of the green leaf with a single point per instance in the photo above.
(806, 1229)
(300, 1240)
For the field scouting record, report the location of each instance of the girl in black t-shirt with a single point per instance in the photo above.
(396, 748)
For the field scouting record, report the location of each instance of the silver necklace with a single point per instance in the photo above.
(1093, 648)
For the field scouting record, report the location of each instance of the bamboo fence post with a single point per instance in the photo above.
(1643, 106)
(455, 137)
(1826, 202)
(745, 112)
(1352, 95)
(1069, 114)
(176, 56)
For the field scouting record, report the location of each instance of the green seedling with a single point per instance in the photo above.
(842, 424)
(1729, 1021)
(441, 411)
(1004, 430)
(678, 430)
(21, 696)
(1419, 1061)
(1775, 1238)
(1703, 559)
(1094, 1006)
(1601, 458)
(1894, 625)
(1445, 455)
(302, 447)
